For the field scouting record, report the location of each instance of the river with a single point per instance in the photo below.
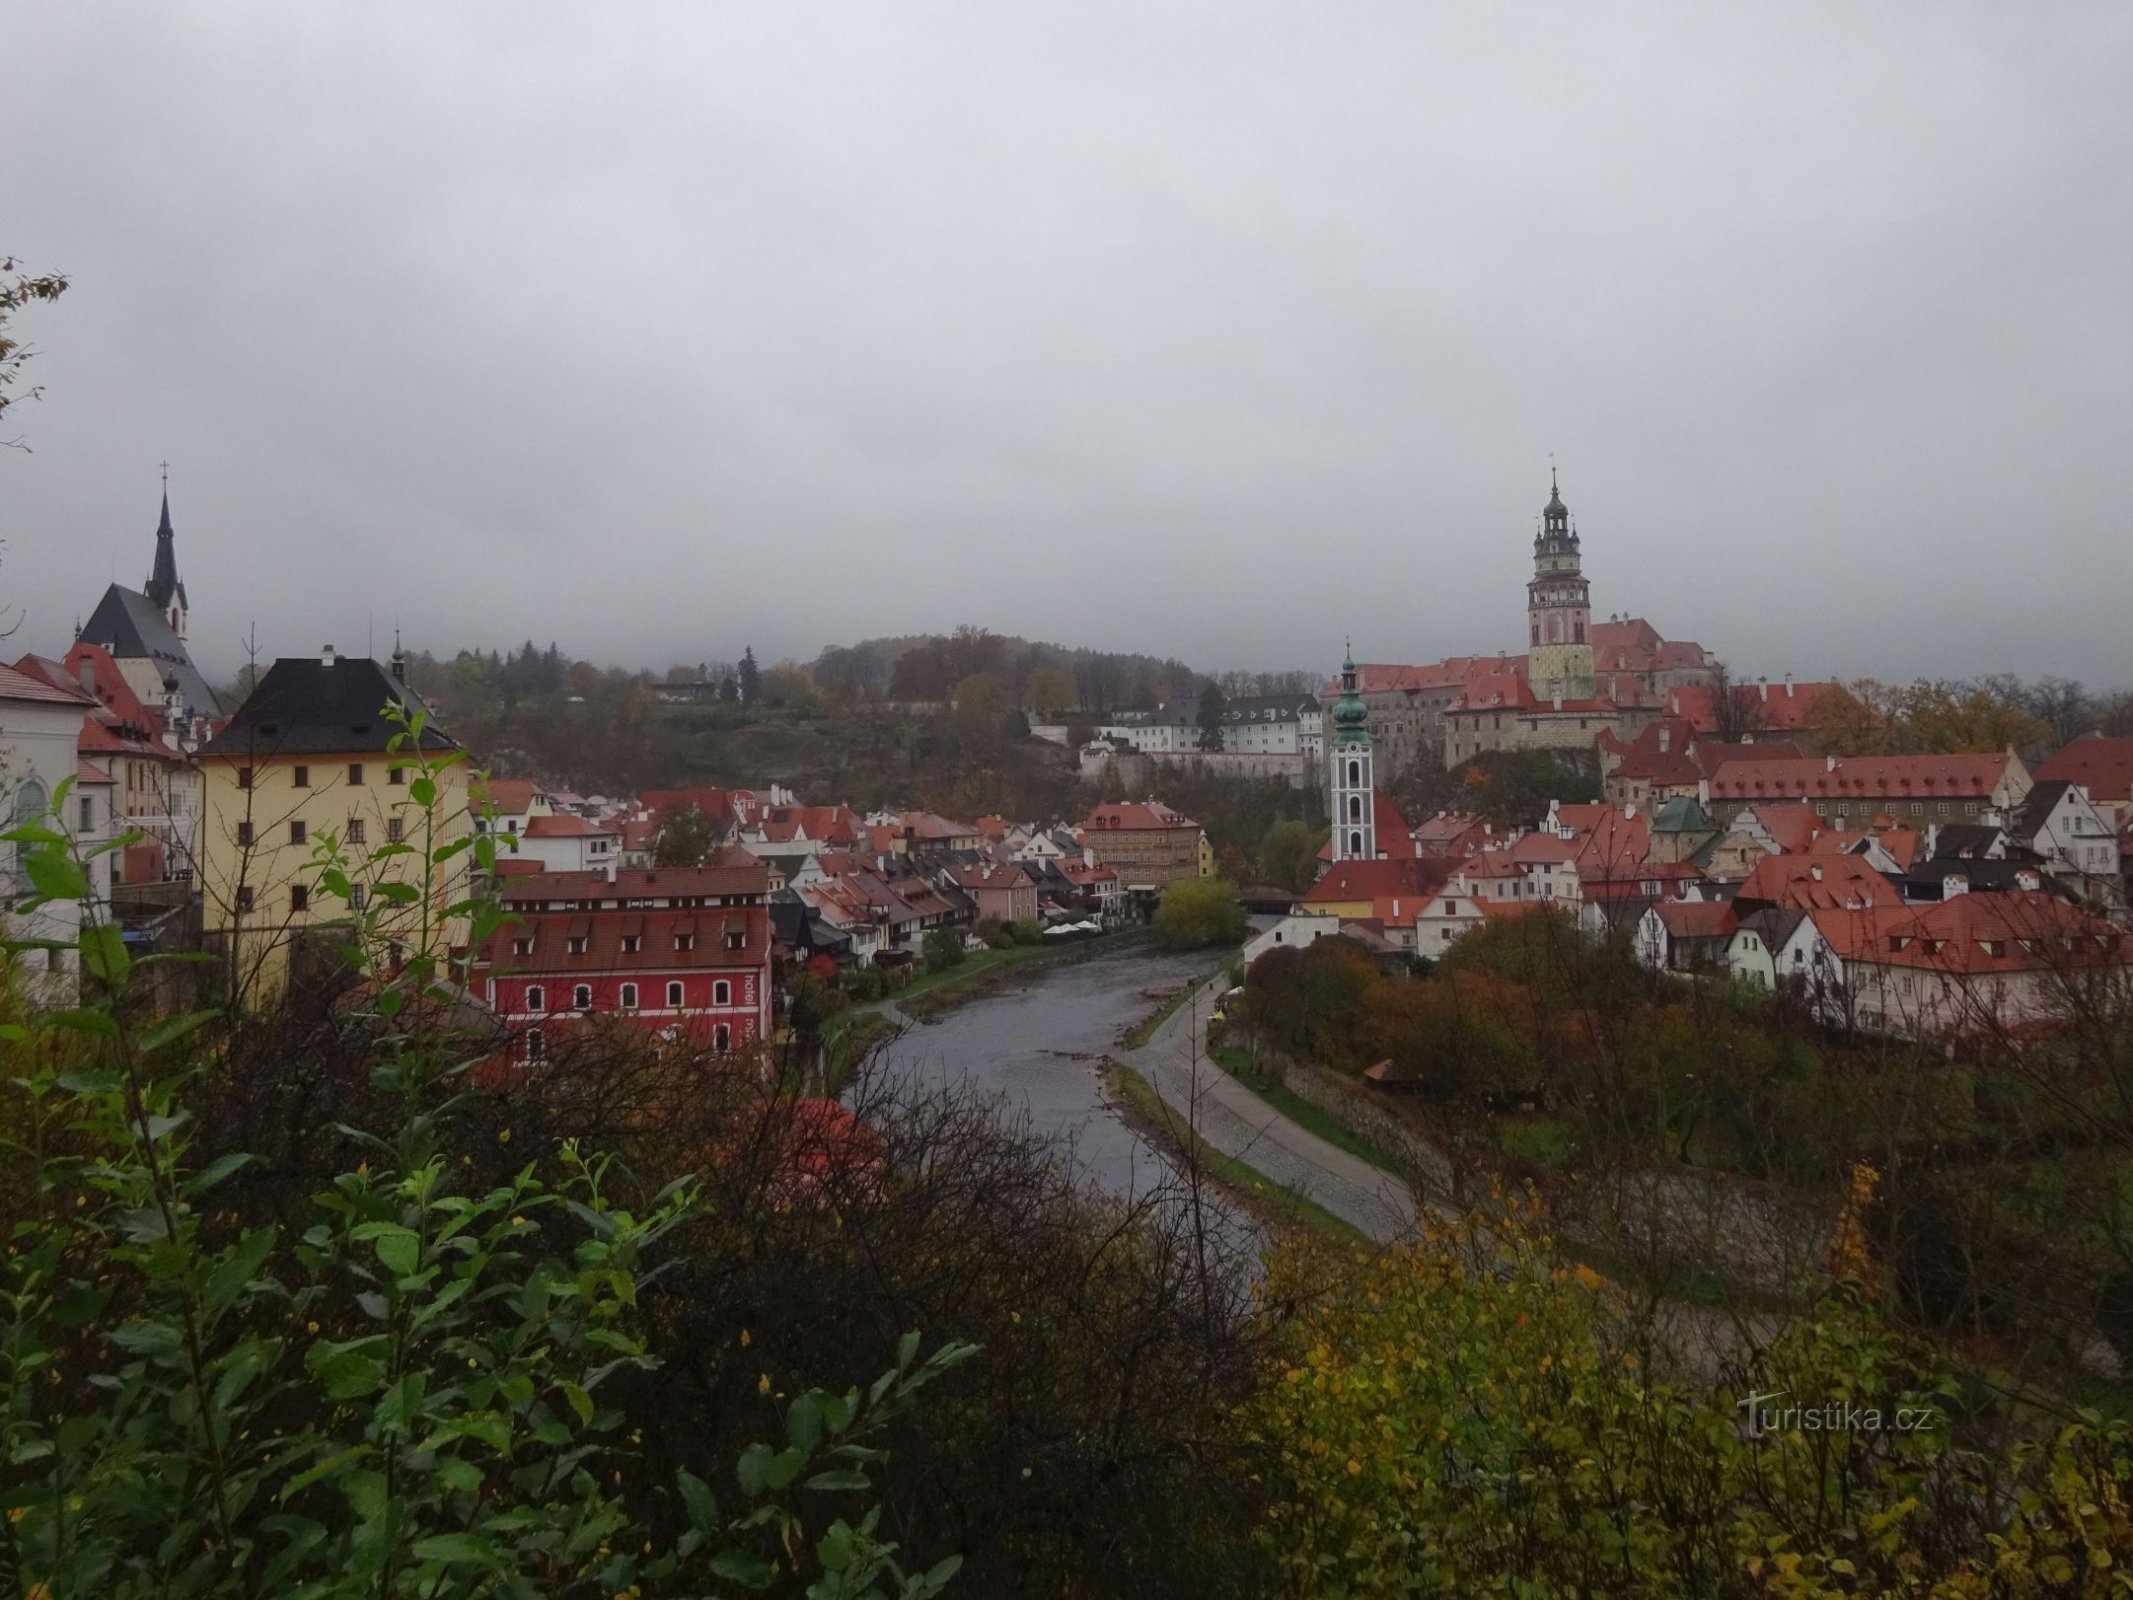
(1039, 1044)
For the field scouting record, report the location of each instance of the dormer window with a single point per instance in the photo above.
(522, 947)
(577, 945)
(685, 941)
(632, 943)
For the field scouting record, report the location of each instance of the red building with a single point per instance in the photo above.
(679, 951)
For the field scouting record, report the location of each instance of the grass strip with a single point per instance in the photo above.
(1306, 1114)
(1145, 1029)
(1265, 1199)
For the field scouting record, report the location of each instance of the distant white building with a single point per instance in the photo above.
(40, 726)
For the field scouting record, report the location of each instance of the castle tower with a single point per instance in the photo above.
(163, 588)
(1558, 609)
(1355, 833)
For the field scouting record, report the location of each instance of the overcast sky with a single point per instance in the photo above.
(1221, 330)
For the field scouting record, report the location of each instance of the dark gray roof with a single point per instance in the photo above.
(2037, 808)
(303, 706)
(132, 627)
(1963, 840)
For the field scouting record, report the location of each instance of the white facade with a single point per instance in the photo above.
(37, 755)
(1298, 932)
(2076, 840)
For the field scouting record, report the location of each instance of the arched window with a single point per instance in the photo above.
(1355, 808)
(721, 1038)
(629, 997)
(536, 998)
(1355, 774)
(722, 993)
(32, 800)
(674, 994)
(581, 997)
(536, 1046)
(1355, 844)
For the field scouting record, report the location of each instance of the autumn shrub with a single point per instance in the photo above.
(1466, 1416)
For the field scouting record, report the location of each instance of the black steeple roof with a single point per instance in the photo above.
(163, 584)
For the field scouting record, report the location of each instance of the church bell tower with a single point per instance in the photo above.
(1558, 609)
(1355, 833)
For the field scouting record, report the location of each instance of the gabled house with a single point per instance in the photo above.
(2077, 842)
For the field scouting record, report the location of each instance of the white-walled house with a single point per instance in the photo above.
(1297, 932)
(2072, 834)
(1777, 947)
(566, 842)
(40, 727)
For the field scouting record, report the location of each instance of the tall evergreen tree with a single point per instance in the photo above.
(751, 677)
(1212, 706)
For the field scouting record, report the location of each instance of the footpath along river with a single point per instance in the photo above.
(1039, 1045)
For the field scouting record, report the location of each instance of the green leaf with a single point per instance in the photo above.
(461, 1477)
(56, 875)
(456, 1547)
(103, 953)
(838, 1479)
(399, 1250)
(215, 1171)
(750, 1572)
(803, 1424)
(90, 1080)
(346, 1371)
(580, 1401)
(696, 1496)
(401, 1403)
(85, 1019)
(167, 1031)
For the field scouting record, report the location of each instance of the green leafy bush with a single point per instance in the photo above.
(409, 1393)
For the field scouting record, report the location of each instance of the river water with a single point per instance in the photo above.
(1039, 1046)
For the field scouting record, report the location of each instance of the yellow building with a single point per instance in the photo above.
(306, 758)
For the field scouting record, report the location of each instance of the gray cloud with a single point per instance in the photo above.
(1219, 329)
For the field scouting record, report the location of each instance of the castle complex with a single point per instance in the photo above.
(1576, 679)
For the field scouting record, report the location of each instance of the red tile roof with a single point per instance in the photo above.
(643, 883)
(1371, 880)
(1695, 919)
(567, 827)
(510, 797)
(2104, 766)
(1144, 815)
(1861, 778)
(1779, 707)
(16, 685)
(1807, 883)
(2006, 931)
(656, 931)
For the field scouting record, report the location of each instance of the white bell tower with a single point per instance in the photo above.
(1354, 796)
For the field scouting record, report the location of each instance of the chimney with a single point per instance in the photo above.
(1666, 739)
(1788, 686)
(325, 656)
(1829, 763)
(1765, 686)
(88, 673)
(1814, 870)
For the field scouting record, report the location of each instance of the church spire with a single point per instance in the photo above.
(164, 590)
